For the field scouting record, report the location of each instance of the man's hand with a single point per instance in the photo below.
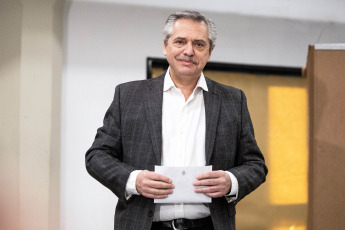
(218, 183)
(153, 185)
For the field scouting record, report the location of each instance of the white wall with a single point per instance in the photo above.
(107, 44)
(316, 10)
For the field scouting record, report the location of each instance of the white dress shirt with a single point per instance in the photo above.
(183, 134)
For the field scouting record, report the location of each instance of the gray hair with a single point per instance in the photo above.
(192, 15)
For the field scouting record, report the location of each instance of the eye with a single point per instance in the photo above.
(179, 42)
(199, 45)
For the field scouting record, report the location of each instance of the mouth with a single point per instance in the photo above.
(187, 60)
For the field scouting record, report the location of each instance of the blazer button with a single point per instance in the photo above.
(150, 214)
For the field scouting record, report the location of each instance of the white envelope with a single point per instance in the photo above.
(183, 178)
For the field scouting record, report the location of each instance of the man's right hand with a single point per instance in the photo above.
(153, 185)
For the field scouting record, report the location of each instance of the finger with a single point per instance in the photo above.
(207, 189)
(159, 192)
(217, 178)
(158, 177)
(149, 177)
(207, 175)
(156, 193)
(149, 185)
(212, 191)
(206, 182)
(158, 184)
(211, 182)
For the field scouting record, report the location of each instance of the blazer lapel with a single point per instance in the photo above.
(212, 108)
(153, 111)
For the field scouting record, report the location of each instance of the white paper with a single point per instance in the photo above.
(183, 178)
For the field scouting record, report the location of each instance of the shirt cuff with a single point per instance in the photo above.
(232, 196)
(130, 186)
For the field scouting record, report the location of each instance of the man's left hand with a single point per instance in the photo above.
(217, 183)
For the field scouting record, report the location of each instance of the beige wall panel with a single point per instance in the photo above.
(278, 107)
(326, 71)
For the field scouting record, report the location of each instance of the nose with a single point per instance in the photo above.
(189, 51)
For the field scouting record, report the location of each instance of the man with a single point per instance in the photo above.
(178, 119)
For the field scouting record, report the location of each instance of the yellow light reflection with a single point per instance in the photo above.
(290, 228)
(287, 135)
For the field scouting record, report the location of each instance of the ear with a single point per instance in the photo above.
(164, 49)
(209, 55)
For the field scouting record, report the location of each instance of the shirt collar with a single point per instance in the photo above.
(168, 82)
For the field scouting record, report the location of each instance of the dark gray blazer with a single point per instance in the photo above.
(131, 138)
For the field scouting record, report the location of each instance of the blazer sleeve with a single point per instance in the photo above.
(104, 159)
(250, 169)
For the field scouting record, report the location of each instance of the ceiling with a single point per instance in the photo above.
(314, 10)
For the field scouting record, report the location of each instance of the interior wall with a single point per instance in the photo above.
(107, 44)
(10, 14)
(30, 75)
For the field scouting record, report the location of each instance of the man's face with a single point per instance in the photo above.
(188, 48)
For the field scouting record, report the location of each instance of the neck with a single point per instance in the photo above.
(185, 83)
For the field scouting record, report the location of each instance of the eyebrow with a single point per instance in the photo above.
(179, 38)
(197, 40)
